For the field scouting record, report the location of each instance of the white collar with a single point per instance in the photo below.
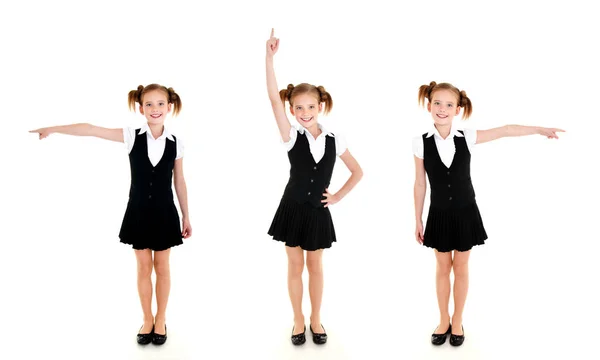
(453, 132)
(324, 132)
(166, 133)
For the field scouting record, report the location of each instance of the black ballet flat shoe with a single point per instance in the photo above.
(440, 339)
(299, 339)
(457, 340)
(159, 339)
(319, 338)
(145, 339)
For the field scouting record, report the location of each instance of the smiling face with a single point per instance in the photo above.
(306, 108)
(443, 107)
(155, 106)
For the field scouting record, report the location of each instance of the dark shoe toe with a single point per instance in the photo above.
(299, 339)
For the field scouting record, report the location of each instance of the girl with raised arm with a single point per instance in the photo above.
(303, 219)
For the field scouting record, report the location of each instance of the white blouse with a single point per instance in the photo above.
(445, 147)
(156, 147)
(317, 146)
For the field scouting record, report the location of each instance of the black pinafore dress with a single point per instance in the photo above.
(453, 221)
(151, 220)
(301, 219)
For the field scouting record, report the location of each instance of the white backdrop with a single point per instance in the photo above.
(69, 286)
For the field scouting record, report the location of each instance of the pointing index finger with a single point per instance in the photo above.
(272, 32)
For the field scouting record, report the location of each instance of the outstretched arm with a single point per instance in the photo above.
(278, 106)
(515, 130)
(82, 129)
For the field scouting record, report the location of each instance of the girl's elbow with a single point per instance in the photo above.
(419, 185)
(179, 182)
(358, 173)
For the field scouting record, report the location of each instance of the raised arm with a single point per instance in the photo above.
(82, 129)
(278, 106)
(515, 130)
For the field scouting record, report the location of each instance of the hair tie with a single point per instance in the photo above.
(290, 88)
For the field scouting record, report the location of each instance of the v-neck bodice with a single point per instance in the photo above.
(437, 151)
(451, 187)
(309, 178)
(151, 184)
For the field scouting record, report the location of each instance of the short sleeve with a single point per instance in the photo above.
(340, 144)
(293, 136)
(180, 148)
(417, 145)
(128, 138)
(470, 138)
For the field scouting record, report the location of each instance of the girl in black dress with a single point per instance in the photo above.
(454, 224)
(302, 220)
(151, 223)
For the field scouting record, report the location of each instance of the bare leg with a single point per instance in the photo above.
(314, 265)
(461, 286)
(163, 287)
(442, 286)
(295, 286)
(144, 283)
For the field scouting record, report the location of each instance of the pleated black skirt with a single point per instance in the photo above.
(151, 227)
(302, 225)
(454, 229)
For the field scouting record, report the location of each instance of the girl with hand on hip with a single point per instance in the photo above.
(303, 220)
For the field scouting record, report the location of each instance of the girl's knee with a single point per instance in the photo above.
(162, 268)
(460, 268)
(314, 266)
(296, 267)
(444, 265)
(444, 269)
(144, 268)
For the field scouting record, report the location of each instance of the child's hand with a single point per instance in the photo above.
(187, 229)
(419, 233)
(272, 44)
(330, 199)
(550, 133)
(44, 132)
